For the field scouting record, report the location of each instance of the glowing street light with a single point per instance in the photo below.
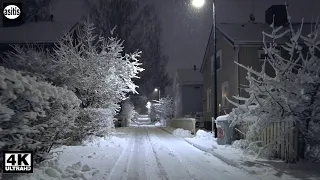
(156, 90)
(198, 4)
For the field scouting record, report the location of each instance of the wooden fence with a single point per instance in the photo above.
(283, 136)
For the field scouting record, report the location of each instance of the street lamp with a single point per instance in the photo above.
(197, 4)
(156, 90)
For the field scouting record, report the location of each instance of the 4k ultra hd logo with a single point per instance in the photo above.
(12, 13)
(17, 162)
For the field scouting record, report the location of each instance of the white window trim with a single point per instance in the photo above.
(209, 97)
(226, 104)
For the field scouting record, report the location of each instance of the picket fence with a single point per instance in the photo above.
(284, 136)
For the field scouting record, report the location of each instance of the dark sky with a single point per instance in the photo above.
(186, 30)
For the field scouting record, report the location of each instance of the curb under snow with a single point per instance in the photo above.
(207, 150)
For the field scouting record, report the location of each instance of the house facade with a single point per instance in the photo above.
(187, 92)
(241, 43)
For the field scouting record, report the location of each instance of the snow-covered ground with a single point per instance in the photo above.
(135, 153)
(147, 152)
(261, 168)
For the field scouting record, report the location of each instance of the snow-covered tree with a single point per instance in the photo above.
(162, 110)
(96, 69)
(139, 26)
(128, 112)
(292, 94)
(93, 67)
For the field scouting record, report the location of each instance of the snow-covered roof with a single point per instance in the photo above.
(66, 14)
(189, 76)
(68, 10)
(251, 33)
(33, 32)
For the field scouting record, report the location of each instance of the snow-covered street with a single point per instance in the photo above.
(152, 153)
(137, 153)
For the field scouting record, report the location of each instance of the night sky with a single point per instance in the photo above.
(186, 29)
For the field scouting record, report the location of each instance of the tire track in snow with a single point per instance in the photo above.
(136, 166)
(161, 171)
(120, 170)
(203, 166)
(169, 163)
(174, 154)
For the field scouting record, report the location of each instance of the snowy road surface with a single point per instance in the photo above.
(153, 154)
(135, 153)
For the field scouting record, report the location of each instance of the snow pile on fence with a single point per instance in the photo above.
(182, 133)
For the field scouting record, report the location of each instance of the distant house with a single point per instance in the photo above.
(44, 33)
(187, 92)
(240, 43)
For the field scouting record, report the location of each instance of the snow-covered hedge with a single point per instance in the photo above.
(93, 121)
(128, 112)
(33, 114)
(162, 109)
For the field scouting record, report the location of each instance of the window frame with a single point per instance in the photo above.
(224, 101)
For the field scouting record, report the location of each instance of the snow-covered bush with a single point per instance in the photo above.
(292, 94)
(93, 121)
(33, 114)
(128, 112)
(162, 109)
(34, 60)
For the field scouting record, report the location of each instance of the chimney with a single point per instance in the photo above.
(194, 67)
(51, 17)
(280, 15)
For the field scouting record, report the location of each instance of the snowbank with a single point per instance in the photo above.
(104, 141)
(182, 133)
(261, 168)
(158, 124)
(201, 134)
(51, 169)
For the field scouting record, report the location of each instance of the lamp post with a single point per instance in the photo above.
(198, 4)
(157, 90)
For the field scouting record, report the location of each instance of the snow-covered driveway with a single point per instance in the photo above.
(137, 153)
(154, 154)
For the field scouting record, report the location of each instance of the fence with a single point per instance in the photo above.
(283, 136)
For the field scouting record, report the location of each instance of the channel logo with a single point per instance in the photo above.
(12, 14)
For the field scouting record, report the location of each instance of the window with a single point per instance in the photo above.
(219, 61)
(261, 54)
(224, 90)
(208, 100)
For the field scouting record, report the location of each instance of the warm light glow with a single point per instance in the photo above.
(156, 89)
(197, 3)
(148, 105)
